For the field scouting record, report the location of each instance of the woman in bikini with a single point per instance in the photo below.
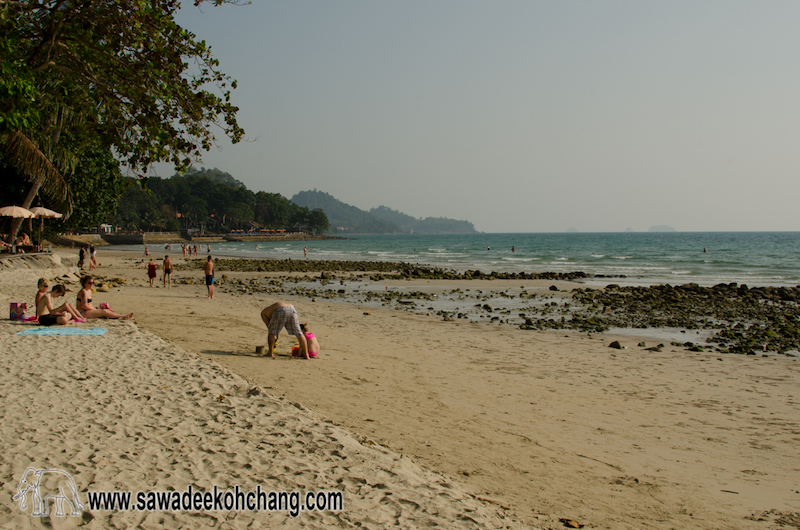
(85, 307)
(49, 315)
(311, 339)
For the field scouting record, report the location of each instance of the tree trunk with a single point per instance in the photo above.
(16, 223)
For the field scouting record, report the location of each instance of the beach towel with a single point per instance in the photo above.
(63, 331)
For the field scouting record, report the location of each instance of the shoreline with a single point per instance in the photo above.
(731, 318)
(544, 424)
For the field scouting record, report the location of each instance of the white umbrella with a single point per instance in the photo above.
(41, 212)
(15, 211)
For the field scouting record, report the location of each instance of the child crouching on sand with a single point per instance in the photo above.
(311, 339)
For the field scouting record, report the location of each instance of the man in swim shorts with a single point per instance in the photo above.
(282, 315)
(167, 272)
(208, 268)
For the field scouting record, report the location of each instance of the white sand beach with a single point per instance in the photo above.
(418, 421)
(127, 411)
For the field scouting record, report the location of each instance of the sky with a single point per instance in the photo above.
(519, 116)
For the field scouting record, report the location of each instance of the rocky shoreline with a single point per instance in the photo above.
(741, 320)
(381, 270)
(744, 320)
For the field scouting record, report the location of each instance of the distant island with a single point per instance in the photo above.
(661, 228)
(347, 219)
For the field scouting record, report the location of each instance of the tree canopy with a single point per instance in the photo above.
(195, 200)
(123, 73)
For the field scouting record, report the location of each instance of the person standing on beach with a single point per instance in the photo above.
(208, 268)
(167, 272)
(92, 258)
(81, 257)
(151, 271)
(305, 252)
(282, 315)
(146, 251)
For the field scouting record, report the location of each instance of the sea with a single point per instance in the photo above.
(706, 258)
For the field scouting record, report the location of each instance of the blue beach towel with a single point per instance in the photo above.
(63, 331)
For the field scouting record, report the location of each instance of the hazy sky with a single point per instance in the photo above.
(520, 116)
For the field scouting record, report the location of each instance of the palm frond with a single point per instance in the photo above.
(29, 160)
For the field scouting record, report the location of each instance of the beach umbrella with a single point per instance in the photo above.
(41, 213)
(15, 211)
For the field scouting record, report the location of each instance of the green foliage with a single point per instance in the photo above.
(216, 204)
(95, 186)
(216, 176)
(124, 66)
(16, 87)
(116, 73)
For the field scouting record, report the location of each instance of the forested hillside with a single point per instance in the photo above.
(428, 225)
(212, 199)
(345, 218)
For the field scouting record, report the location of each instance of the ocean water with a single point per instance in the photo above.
(752, 258)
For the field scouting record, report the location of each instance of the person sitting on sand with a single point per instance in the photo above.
(311, 339)
(85, 307)
(167, 272)
(49, 315)
(151, 271)
(280, 315)
(23, 239)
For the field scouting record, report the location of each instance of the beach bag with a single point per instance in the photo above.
(17, 310)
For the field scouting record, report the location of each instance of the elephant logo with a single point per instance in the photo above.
(48, 485)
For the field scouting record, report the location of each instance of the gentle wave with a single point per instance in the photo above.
(755, 258)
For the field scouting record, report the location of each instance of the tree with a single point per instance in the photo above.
(318, 221)
(120, 68)
(273, 210)
(196, 209)
(239, 212)
(94, 187)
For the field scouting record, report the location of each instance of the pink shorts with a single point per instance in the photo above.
(296, 352)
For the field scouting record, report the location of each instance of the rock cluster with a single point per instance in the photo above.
(745, 319)
(381, 269)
